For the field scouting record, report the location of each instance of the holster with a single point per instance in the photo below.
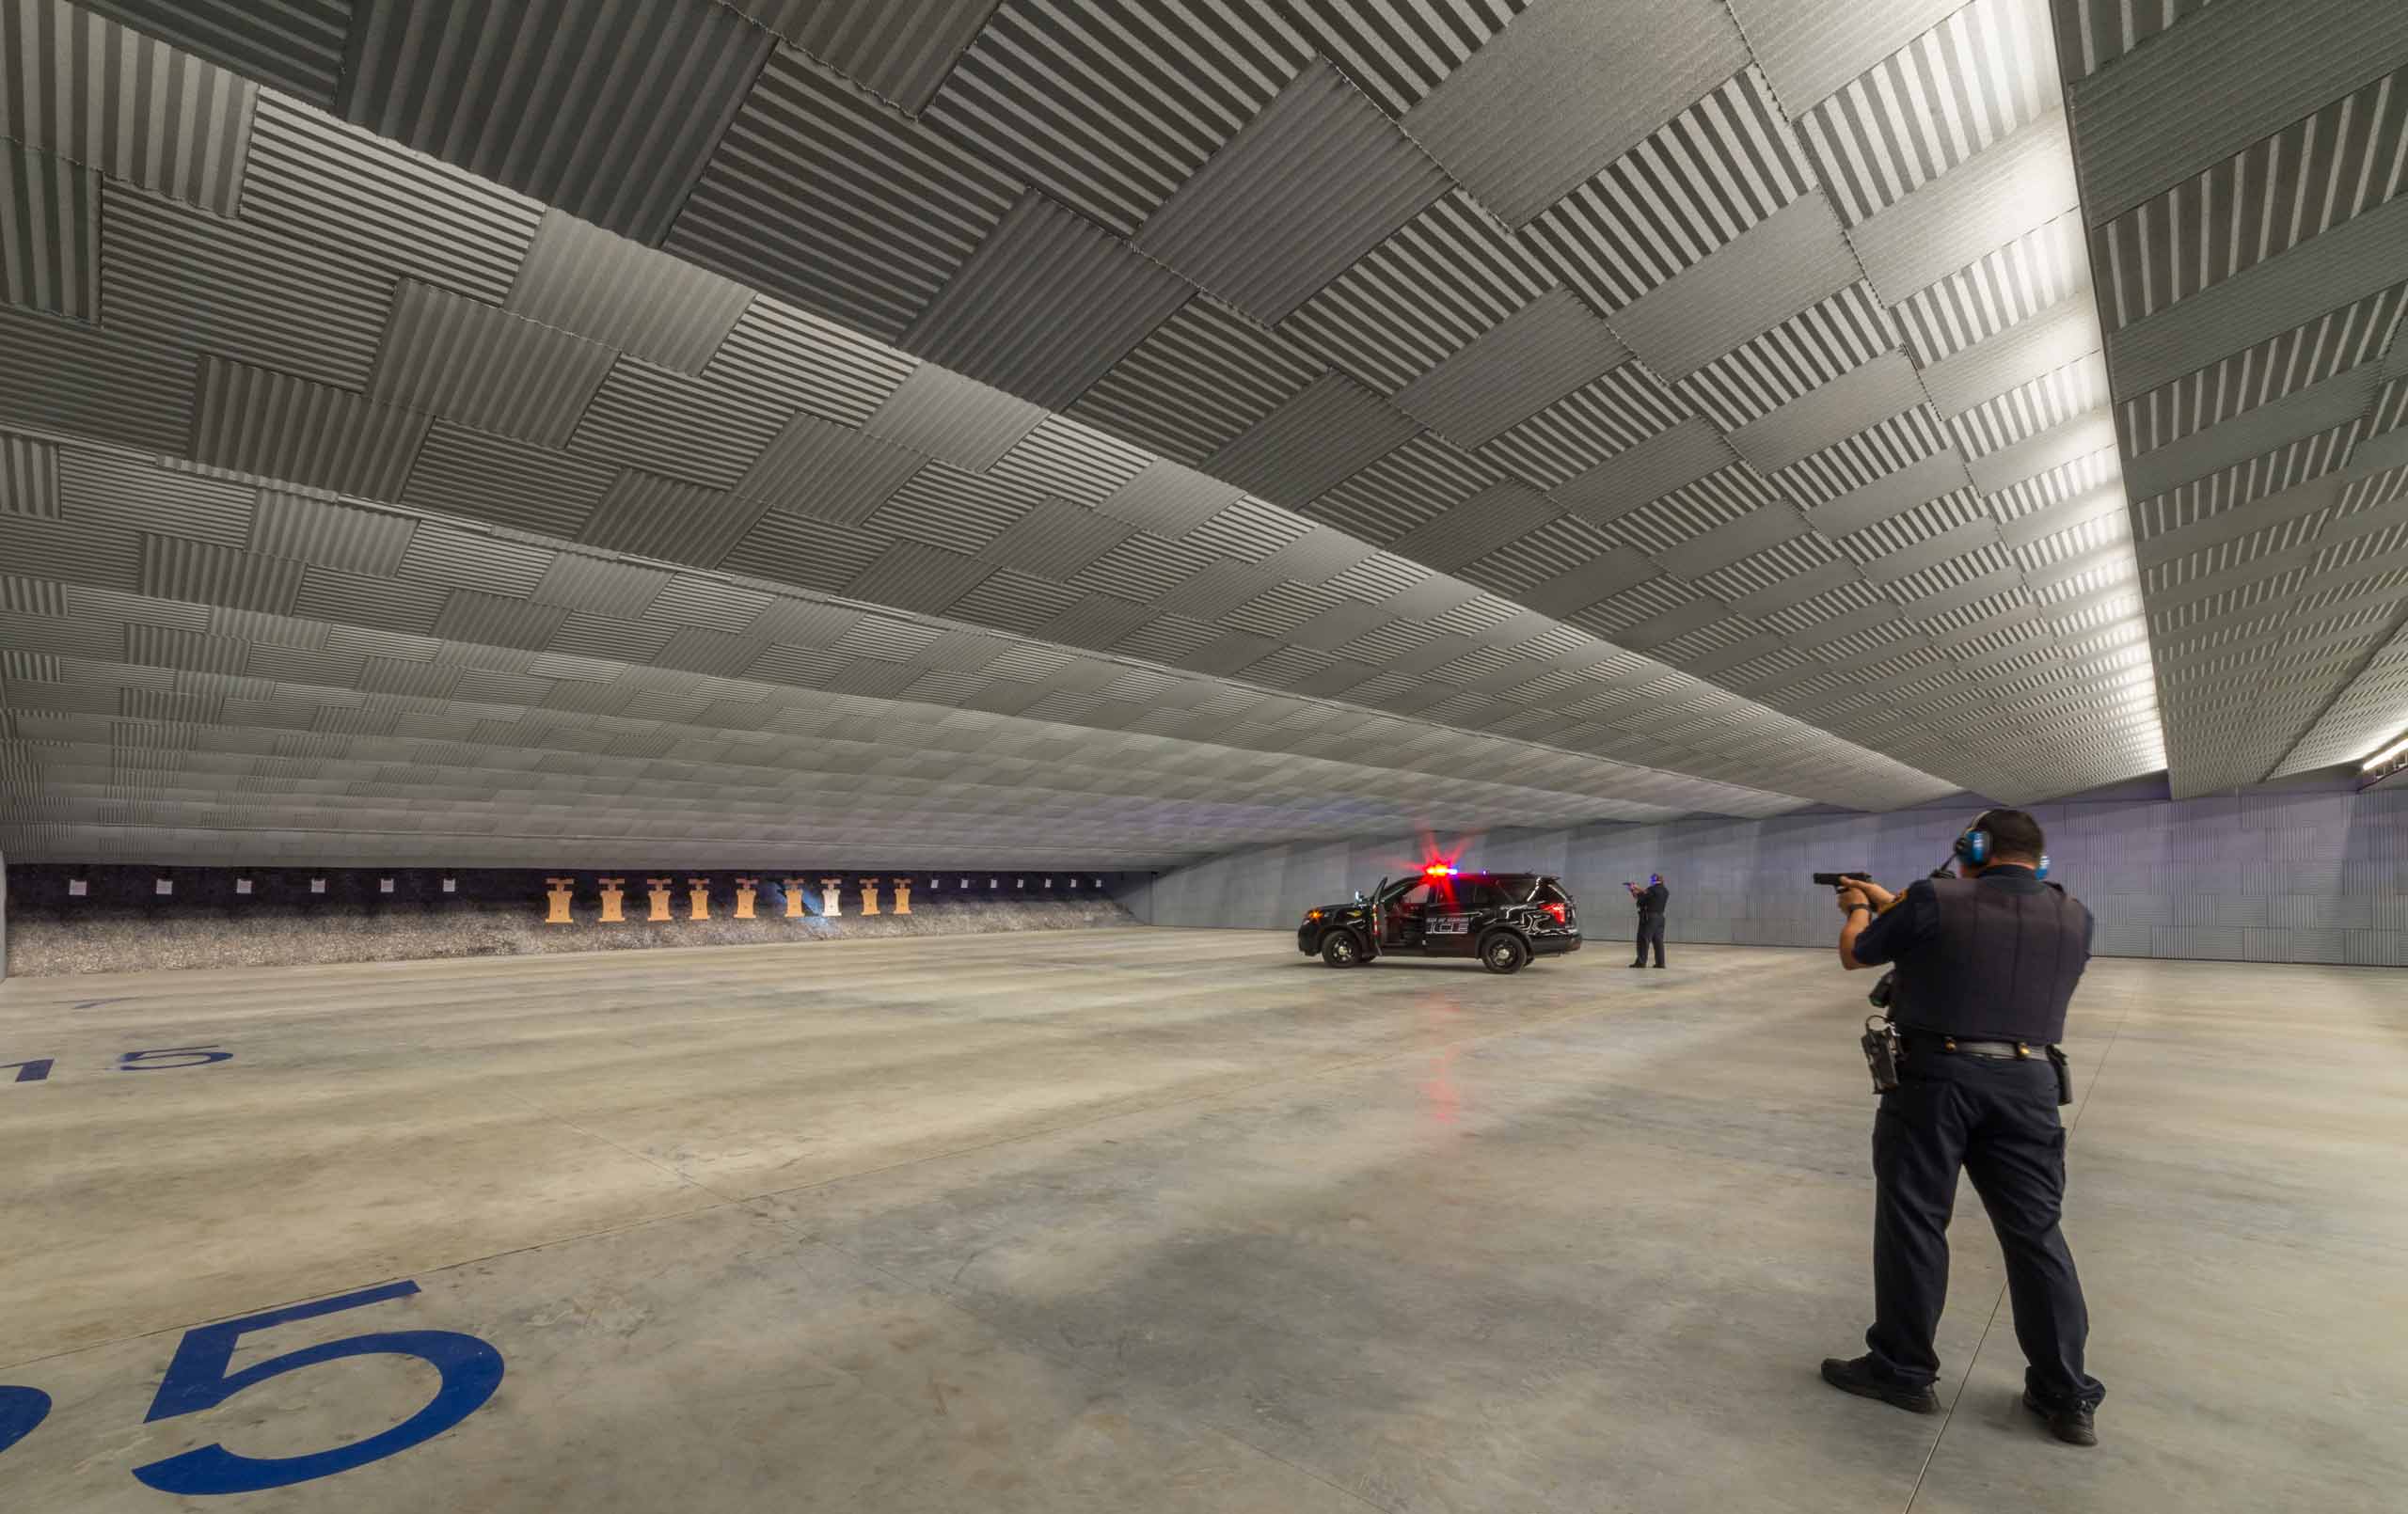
(1880, 1043)
(2065, 1074)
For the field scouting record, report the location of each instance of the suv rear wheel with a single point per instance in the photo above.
(1340, 949)
(1503, 951)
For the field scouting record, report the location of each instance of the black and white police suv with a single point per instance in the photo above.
(1504, 919)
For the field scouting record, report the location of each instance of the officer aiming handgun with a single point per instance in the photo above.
(1985, 965)
(1652, 901)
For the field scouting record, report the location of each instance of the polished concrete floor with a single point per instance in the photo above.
(1151, 1220)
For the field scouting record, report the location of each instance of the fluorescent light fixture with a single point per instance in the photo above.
(2391, 753)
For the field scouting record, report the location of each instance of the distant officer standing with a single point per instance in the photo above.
(1985, 965)
(1651, 900)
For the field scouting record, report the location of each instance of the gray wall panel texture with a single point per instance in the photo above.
(2315, 873)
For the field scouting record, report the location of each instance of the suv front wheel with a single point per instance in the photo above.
(1340, 949)
(1503, 953)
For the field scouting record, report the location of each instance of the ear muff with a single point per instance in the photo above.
(1974, 846)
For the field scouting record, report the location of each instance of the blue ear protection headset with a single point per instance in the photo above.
(1973, 847)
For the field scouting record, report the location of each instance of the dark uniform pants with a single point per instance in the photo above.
(1998, 1120)
(1651, 928)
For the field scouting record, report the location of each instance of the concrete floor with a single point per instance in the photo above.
(1159, 1221)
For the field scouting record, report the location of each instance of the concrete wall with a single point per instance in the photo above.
(2312, 872)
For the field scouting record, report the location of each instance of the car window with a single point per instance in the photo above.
(1551, 894)
(1477, 893)
(1415, 897)
(1514, 887)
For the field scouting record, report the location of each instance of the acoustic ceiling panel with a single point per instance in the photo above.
(796, 358)
(462, 472)
(355, 197)
(1985, 69)
(670, 519)
(186, 279)
(295, 45)
(1849, 405)
(1317, 439)
(328, 532)
(784, 206)
(278, 426)
(50, 234)
(2014, 187)
(902, 50)
(1777, 267)
(1046, 307)
(954, 418)
(708, 429)
(1438, 284)
(606, 111)
(2300, 183)
(485, 368)
(2336, 343)
(623, 294)
(95, 93)
(1316, 180)
(1574, 435)
(1519, 366)
(1568, 88)
(1695, 183)
(828, 471)
(1810, 48)
(1201, 378)
(2228, 75)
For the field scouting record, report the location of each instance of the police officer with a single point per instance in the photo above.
(1651, 900)
(1986, 964)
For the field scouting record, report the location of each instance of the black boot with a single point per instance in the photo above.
(2070, 1423)
(1859, 1378)
(1639, 964)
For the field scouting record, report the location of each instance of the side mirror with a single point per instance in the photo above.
(1358, 896)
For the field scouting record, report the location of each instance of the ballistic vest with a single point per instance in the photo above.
(2001, 964)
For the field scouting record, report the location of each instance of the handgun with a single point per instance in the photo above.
(1841, 881)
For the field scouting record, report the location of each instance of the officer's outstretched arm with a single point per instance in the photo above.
(1856, 911)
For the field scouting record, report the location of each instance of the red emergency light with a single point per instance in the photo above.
(1440, 869)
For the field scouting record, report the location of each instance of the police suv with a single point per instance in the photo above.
(1504, 919)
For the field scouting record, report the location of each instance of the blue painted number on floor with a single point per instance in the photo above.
(197, 1379)
(165, 1059)
(21, 1410)
(142, 1060)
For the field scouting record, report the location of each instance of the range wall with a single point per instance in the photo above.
(121, 924)
(2313, 872)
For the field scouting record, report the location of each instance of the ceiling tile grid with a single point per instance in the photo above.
(1789, 323)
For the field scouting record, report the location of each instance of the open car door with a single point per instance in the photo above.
(1400, 915)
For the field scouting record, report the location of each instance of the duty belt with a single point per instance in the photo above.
(2005, 1051)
